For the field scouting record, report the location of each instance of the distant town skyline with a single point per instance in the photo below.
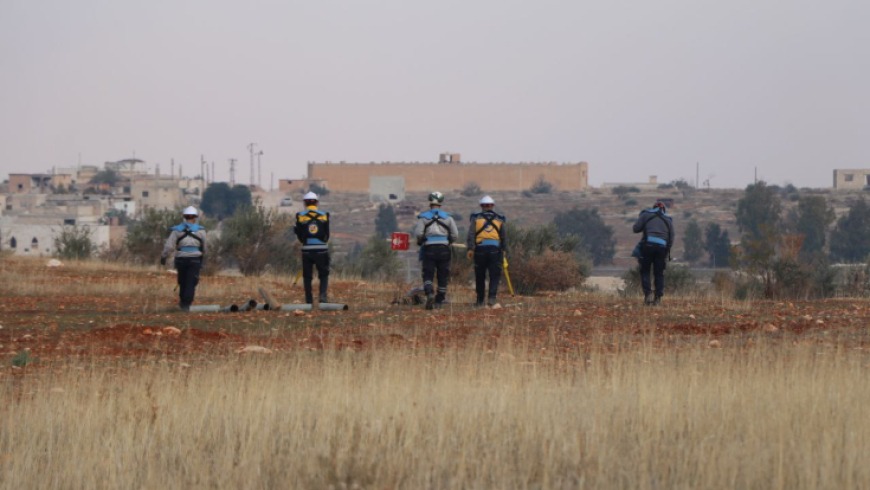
(773, 89)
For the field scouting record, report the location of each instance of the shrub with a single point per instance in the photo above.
(74, 242)
(623, 190)
(146, 236)
(542, 260)
(320, 190)
(550, 271)
(257, 239)
(678, 280)
(471, 189)
(373, 261)
(541, 186)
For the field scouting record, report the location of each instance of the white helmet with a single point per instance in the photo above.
(486, 200)
(190, 211)
(436, 197)
(310, 196)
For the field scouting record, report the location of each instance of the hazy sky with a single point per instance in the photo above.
(633, 87)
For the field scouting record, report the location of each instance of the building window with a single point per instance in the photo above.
(848, 177)
(20, 187)
(69, 221)
(34, 244)
(13, 243)
(144, 193)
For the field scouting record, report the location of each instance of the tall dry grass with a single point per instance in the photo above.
(764, 416)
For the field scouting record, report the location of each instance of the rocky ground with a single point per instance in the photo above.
(93, 313)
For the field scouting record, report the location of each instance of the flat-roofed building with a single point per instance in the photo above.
(851, 179)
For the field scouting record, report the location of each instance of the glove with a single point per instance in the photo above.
(162, 260)
(470, 254)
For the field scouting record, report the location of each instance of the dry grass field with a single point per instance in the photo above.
(570, 390)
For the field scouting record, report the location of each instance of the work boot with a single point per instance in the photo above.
(324, 299)
(479, 304)
(657, 301)
(648, 299)
(430, 301)
(439, 305)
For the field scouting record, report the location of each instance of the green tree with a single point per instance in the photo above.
(74, 242)
(693, 242)
(813, 217)
(587, 225)
(219, 201)
(385, 222)
(146, 235)
(759, 211)
(850, 239)
(107, 176)
(257, 239)
(759, 219)
(717, 244)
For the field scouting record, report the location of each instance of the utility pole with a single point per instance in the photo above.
(232, 172)
(251, 149)
(697, 170)
(202, 170)
(259, 170)
(211, 175)
(172, 168)
(272, 182)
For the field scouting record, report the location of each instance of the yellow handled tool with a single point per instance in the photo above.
(507, 276)
(298, 275)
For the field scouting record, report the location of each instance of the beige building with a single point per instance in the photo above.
(855, 179)
(29, 183)
(450, 173)
(156, 192)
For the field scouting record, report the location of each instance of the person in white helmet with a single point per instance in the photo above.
(486, 246)
(187, 242)
(435, 231)
(312, 230)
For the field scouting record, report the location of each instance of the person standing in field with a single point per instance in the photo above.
(187, 241)
(486, 243)
(435, 230)
(654, 248)
(312, 230)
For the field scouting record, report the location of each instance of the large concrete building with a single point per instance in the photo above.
(851, 179)
(449, 173)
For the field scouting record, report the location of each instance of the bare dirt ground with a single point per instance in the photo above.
(74, 312)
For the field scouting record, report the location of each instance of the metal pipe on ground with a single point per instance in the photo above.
(250, 305)
(332, 306)
(204, 308)
(230, 308)
(263, 307)
(298, 306)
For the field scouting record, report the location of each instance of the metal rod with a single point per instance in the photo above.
(204, 308)
(250, 305)
(299, 306)
(332, 306)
